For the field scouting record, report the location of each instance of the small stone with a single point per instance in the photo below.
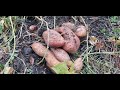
(27, 50)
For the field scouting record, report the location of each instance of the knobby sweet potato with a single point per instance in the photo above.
(55, 39)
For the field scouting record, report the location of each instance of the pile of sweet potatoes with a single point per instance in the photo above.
(62, 41)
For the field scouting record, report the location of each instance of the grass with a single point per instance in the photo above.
(106, 65)
(102, 61)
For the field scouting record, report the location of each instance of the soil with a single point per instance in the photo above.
(22, 64)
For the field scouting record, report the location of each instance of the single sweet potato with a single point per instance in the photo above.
(72, 42)
(55, 39)
(81, 31)
(70, 25)
(60, 54)
(78, 64)
(40, 50)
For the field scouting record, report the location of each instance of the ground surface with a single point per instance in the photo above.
(101, 58)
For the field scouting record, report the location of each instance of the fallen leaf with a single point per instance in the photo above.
(8, 70)
(93, 40)
(61, 68)
(117, 42)
(99, 45)
(111, 39)
(6, 49)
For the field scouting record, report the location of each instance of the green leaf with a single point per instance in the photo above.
(61, 68)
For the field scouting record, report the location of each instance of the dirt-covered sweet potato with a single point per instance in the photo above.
(40, 50)
(72, 42)
(81, 31)
(55, 39)
(69, 25)
(78, 64)
(60, 54)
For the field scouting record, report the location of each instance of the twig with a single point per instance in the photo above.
(54, 21)
(74, 19)
(21, 28)
(111, 53)
(87, 34)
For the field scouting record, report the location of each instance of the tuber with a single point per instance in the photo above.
(33, 28)
(55, 39)
(72, 42)
(60, 54)
(81, 31)
(69, 25)
(78, 64)
(40, 50)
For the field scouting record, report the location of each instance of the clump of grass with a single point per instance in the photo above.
(8, 44)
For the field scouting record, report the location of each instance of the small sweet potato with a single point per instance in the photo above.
(40, 50)
(72, 42)
(60, 54)
(78, 64)
(55, 39)
(69, 25)
(81, 31)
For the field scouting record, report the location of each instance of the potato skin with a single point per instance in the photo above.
(40, 50)
(55, 39)
(81, 31)
(60, 54)
(72, 42)
(78, 64)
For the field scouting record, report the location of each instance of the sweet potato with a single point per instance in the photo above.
(78, 64)
(81, 31)
(55, 39)
(72, 42)
(40, 50)
(70, 25)
(60, 54)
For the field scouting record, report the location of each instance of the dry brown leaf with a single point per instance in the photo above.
(99, 45)
(117, 42)
(111, 39)
(8, 70)
(93, 40)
